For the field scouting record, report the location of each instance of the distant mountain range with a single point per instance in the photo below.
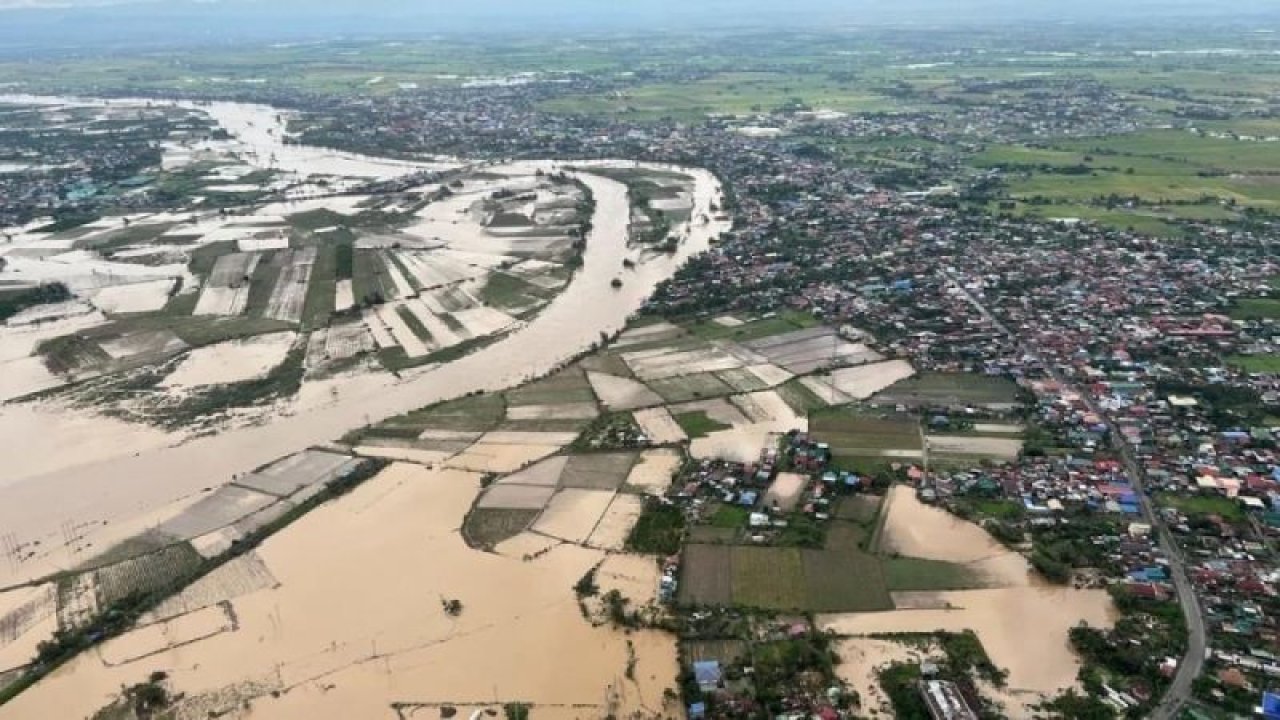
(68, 24)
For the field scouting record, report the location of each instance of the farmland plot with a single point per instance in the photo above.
(616, 523)
(804, 351)
(670, 362)
(227, 290)
(573, 514)
(290, 292)
(243, 575)
(654, 470)
(287, 476)
(622, 393)
(659, 426)
(597, 471)
(139, 297)
(545, 473)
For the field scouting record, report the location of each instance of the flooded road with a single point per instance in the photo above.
(137, 478)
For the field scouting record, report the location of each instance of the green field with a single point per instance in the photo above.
(487, 527)
(1225, 508)
(784, 322)
(567, 386)
(475, 413)
(1256, 308)
(861, 441)
(1164, 169)
(697, 424)
(732, 93)
(1257, 363)
(949, 389)
(843, 575)
(690, 387)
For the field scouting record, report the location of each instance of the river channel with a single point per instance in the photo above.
(125, 484)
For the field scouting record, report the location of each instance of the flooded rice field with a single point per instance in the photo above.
(1040, 664)
(344, 628)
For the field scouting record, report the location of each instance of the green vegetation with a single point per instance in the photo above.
(784, 322)
(949, 389)
(659, 530)
(859, 439)
(801, 399)
(473, 413)
(920, 575)
(371, 280)
(486, 528)
(320, 302)
(1269, 363)
(13, 302)
(1203, 506)
(696, 424)
(809, 568)
(567, 386)
(735, 93)
(414, 322)
(509, 292)
(263, 282)
(344, 259)
(1257, 309)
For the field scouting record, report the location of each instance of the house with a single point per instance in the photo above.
(707, 674)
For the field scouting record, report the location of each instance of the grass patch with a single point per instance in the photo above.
(732, 517)
(800, 397)
(565, 387)
(1269, 363)
(917, 574)
(1203, 505)
(475, 413)
(854, 434)
(510, 292)
(785, 322)
(1256, 308)
(320, 302)
(690, 387)
(371, 281)
(659, 529)
(12, 303)
(414, 323)
(488, 527)
(696, 424)
(949, 389)
(770, 578)
(263, 283)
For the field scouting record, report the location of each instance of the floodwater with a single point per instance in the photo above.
(915, 529)
(1040, 663)
(135, 472)
(353, 627)
(230, 362)
(258, 133)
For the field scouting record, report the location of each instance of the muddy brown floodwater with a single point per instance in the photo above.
(356, 623)
(1040, 663)
(134, 476)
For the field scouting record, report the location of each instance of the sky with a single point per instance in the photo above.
(76, 23)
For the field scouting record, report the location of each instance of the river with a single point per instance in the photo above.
(126, 484)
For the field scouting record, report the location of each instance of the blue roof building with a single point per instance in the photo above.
(1270, 706)
(707, 674)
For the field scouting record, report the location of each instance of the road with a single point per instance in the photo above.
(1192, 663)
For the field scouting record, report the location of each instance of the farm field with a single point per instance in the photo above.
(950, 389)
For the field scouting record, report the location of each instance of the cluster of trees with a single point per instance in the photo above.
(15, 302)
